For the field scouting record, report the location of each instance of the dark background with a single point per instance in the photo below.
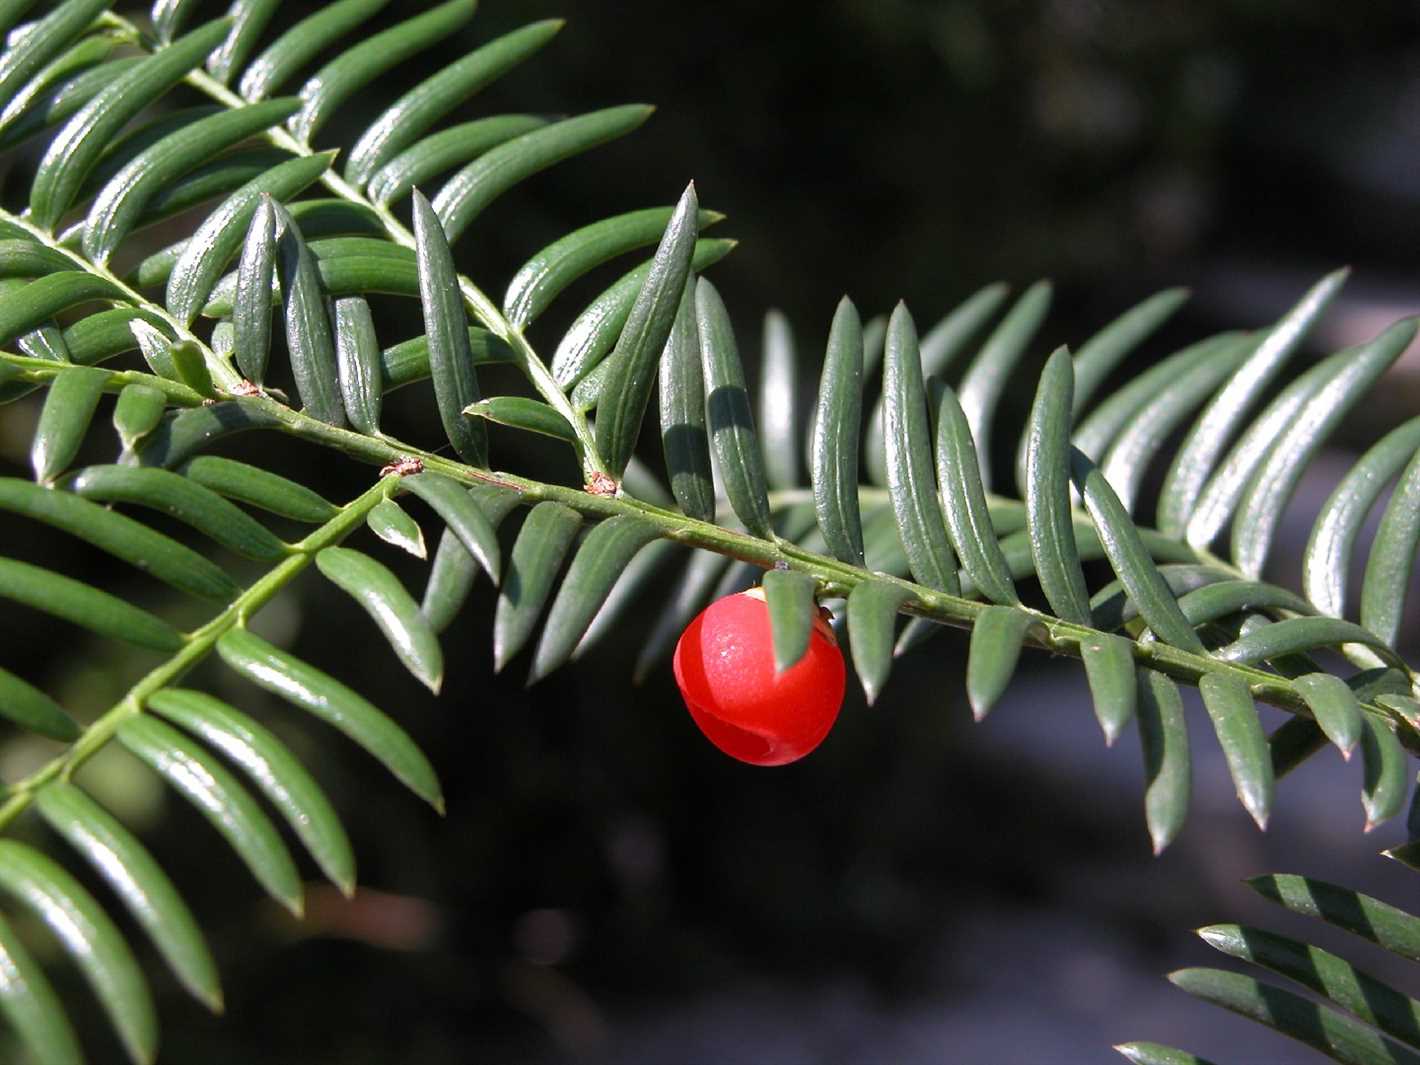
(608, 888)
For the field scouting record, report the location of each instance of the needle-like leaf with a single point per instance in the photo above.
(1271, 488)
(357, 66)
(452, 573)
(1392, 559)
(542, 278)
(392, 524)
(31, 1006)
(604, 554)
(833, 453)
(74, 152)
(91, 939)
(872, 613)
(409, 117)
(469, 192)
(1213, 428)
(251, 308)
(138, 880)
(778, 403)
(790, 597)
(271, 766)
(631, 373)
(195, 774)
(446, 325)
(1167, 763)
(1333, 704)
(1109, 666)
(1328, 1030)
(732, 432)
(260, 488)
(1129, 557)
(682, 408)
(964, 504)
(137, 413)
(124, 199)
(542, 544)
(912, 484)
(986, 377)
(308, 328)
(85, 606)
(316, 692)
(452, 502)
(383, 597)
(181, 498)
(1230, 705)
(996, 641)
(302, 42)
(206, 255)
(64, 421)
(1049, 525)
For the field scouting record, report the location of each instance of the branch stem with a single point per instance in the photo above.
(837, 579)
(44, 371)
(199, 644)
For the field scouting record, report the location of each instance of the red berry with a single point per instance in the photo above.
(724, 664)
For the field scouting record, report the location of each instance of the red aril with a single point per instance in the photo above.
(724, 665)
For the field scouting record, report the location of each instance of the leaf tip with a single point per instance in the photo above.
(980, 704)
(1212, 934)
(1178, 977)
